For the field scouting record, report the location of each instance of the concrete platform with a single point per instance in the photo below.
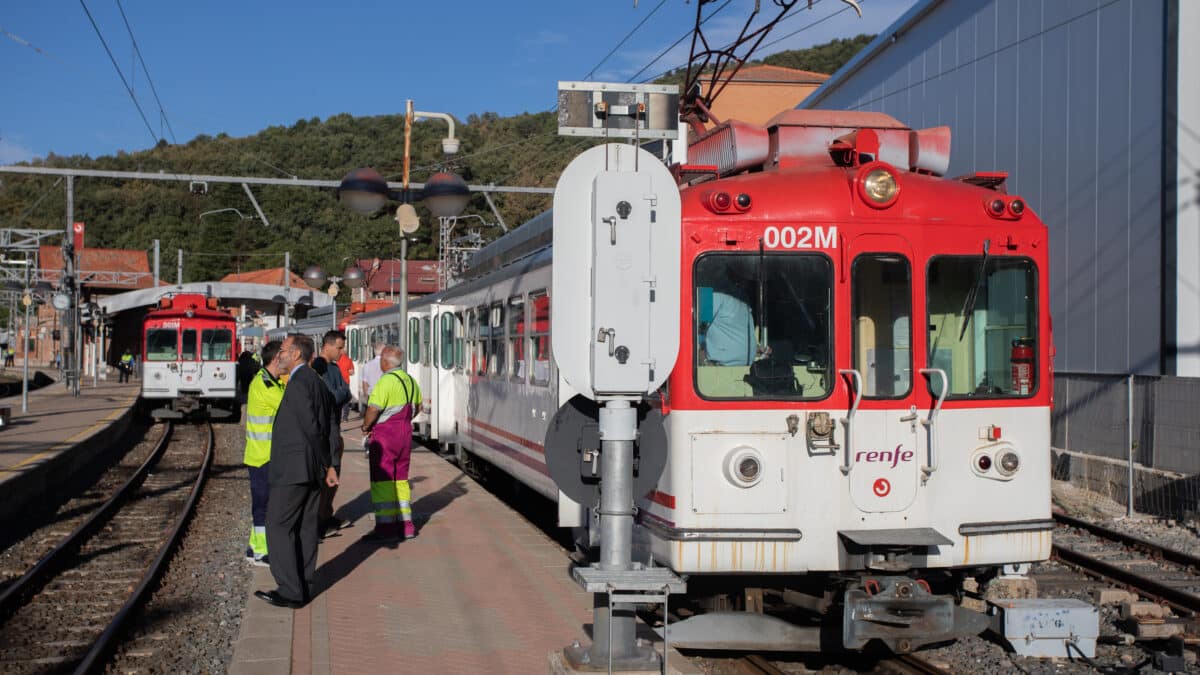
(60, 434)
(479, 590)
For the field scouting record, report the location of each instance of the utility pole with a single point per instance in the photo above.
(70, 288)
(179, 268)
(156, 263)
(287, 288)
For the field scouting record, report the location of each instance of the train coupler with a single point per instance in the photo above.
(903, 614)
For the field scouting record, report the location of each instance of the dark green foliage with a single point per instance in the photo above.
(520, 150)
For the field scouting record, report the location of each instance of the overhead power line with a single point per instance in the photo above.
(136, 50)
(676, 44)
(807, 26)
(120, 74)
(624, 40)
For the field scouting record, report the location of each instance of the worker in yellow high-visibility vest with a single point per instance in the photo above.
(262, 402)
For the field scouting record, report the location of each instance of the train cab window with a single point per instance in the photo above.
(882, 310)
(983, 325)
(762, 326)
(216, 344)
(460, 342)
(539, 337)
(496, 349)
(516, 338)
(187, 347)
(425, 341)
(162, 344)
(414, 340)
(446, 340)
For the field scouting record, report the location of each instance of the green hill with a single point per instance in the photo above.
(519, 150)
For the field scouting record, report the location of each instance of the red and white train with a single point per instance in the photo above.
(187, 359)
(880, 433)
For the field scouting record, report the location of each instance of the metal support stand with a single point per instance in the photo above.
(617, 583)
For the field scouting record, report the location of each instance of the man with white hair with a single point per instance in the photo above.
(394, 401)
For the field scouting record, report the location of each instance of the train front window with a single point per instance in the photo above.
(882, 310)
(762, 326)
(162, 344)
(216, 344)
(983, 325)
(187, 349)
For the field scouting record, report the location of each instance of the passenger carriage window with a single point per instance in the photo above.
(762, 326)
(983, 325)
(483, 336)
(539, 337)
(425, 339)
(497, 339)
(460, 354)
(162, 344)
(216, 344)
(414, 340)
(187, 350)
(882, 311)
(446, 340)
(516, 337)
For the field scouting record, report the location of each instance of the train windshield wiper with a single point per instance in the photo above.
(973, 294)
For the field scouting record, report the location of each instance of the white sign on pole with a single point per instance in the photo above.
(615, 282)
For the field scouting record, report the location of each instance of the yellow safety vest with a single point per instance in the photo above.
(262, 402)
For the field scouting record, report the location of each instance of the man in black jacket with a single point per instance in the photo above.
(301, 460)
(333, 345)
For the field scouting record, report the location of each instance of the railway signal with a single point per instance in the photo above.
(615, 286)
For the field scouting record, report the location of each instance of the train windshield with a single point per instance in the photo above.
(161, 344)
(762, 326)
(983, 325)
(216, 344)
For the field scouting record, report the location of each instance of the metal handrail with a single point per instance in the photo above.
(929, 422)
(856, 389)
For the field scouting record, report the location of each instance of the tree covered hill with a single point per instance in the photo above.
(309, 223)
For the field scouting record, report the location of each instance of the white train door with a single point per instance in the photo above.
(883, 457)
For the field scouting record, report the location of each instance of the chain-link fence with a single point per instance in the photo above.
(1092, 417)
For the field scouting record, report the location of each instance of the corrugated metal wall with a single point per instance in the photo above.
(1066, 96)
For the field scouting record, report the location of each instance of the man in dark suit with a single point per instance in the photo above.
(301, 460)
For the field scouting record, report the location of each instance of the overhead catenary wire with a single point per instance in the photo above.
(626, 39)
(120, 74)
(137, 50)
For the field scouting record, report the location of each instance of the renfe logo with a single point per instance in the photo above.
(881, 487)
(892, 457)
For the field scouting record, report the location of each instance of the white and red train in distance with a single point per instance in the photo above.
(859, 416)
(188, 365)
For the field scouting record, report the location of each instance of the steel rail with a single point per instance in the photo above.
(1156, 550)
(1189, 603)
(29, 583)
(94, 660)
(911, 663)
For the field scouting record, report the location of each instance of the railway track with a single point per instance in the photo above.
(68, 611)
(902, 664)
(1156, 572)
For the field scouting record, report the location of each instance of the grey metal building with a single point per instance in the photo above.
(1093, 108)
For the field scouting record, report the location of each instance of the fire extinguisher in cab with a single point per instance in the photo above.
(1022, 366)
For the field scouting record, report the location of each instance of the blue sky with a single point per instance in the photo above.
(240, 66)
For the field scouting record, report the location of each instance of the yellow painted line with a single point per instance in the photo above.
(71, 441)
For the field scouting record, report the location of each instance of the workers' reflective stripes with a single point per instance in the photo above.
(260, 419)
(258, 435)
(390, 500)
(258, 540)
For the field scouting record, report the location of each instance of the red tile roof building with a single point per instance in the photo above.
(758, 93)
(273, 276)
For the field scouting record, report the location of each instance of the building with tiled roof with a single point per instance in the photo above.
(103, 270)
(383, 276)
(273, 276)
(758, 93)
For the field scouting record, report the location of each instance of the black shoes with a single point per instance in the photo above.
(333, 525)
(274, 598)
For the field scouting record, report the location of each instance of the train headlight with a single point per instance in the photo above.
(743, 467)
(1009, 463)
(878, 185)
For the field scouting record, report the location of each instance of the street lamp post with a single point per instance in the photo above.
(445, 194)
(316, 277)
